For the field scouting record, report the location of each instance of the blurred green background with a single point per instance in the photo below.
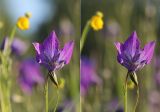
(47, 15)
(121, 18)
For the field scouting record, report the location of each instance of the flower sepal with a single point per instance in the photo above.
(53, 78)
(133, 78)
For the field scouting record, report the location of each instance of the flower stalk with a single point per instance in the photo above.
(46, 95)
(84, 35)
(137, 99)
(5, 98)
(53, 78)
(125, 93)
(133, 77)
(13, 33)
(55, 108)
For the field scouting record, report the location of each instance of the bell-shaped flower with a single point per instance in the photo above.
(88, 76)
(50, 55)
(131, 56)
(30, 75)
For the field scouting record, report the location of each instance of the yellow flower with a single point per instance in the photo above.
(23, 22)
(97, 21)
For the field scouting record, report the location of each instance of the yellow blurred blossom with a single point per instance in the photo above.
(61, 83)
(97, 21)
(130, 84)
(23, 22)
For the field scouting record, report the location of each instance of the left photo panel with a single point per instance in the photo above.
(40, 56)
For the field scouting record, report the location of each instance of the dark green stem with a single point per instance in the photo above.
(84, 35)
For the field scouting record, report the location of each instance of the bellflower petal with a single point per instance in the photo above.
(37, 47)
(38, 52)
(148, 51)
(51, 46)
(118, 46)
(66, 53)
(131, 44)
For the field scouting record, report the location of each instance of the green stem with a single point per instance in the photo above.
(5, 98)
(7, 49)
(125, 94)
(13, 32)
(46, 95)
(57, 100)
(137, 99)
(84, 35)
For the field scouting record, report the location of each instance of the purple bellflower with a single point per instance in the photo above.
(18, 47)
(30, 75)
(131, 56)
(88, 75)
(51, 56)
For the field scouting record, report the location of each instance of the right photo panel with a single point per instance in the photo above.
(120, 56)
